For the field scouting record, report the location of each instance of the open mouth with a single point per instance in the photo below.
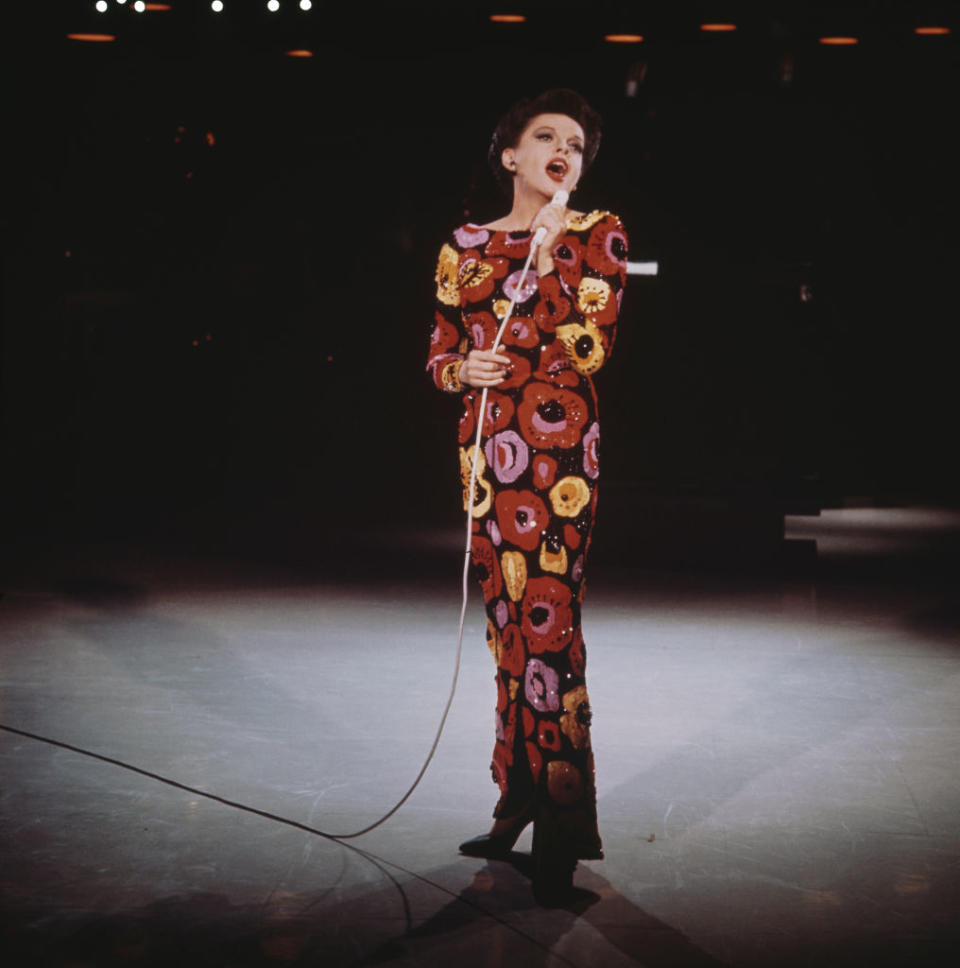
(557, 169)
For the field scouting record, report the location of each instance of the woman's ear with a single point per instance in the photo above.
(508, 158)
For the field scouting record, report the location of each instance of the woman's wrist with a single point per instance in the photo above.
(544, 263)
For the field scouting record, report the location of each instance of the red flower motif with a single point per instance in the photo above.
(554, 366)
(546, 616)
(571, 537)
(486, 566)
(502, 696)
(551, 416)
(519, 371)
(444, 336)
(607, 248)
(482, 328)
(499, 413)
(478, 276)
(522, 516)
(499, 765)
(544, 471)
(467, 421)
(521, 331)
(505, 243)
(553, 307)
(528, 721)
(548, 735)
(567, 257)
(513, 656)
(577, 654)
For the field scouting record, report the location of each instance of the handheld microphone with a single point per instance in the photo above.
(560, 197)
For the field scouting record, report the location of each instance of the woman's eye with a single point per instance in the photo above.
(577, 148)
(543, 136)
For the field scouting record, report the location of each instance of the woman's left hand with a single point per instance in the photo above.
(553, 218)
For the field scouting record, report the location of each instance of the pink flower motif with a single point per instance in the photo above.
(529, 286)
(507, 453)
(541, 686)
(469, 236)
(591, 460)
(576, 572)
(494, 531)
(500, 613)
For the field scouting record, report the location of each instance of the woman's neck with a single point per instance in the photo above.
(522, 212)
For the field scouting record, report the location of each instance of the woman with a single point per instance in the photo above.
(536, 491)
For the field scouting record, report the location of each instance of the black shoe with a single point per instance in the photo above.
(493, 846)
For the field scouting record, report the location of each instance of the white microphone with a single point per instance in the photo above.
(560, 197)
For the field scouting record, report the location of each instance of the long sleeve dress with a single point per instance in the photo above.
(535, 498)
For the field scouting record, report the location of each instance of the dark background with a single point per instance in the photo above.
(218, 264)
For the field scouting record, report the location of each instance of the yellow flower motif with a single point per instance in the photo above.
(575, 718)
(569, 496)
(450, 376)
(593, 294)
(483, 492)
(494, 642)
(580, 222)
(475, 272)
(514, 568)
(555, 562)
(514, 687)
(500, 307)
(447, 265)
(584, 345)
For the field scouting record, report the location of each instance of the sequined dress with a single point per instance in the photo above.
(535, 498)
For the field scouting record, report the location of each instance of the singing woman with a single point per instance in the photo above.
(535, 497)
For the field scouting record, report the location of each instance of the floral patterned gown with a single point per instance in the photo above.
(536, 493)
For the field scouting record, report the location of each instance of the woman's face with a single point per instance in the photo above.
(548, 155)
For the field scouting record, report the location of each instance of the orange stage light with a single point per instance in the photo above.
(299, 53)
(840, 41)
(507, 18)
(718, 28)
(624, 38)
(93, 38)
(157, 6)
(932, 31)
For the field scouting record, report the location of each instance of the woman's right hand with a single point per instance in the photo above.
(483, 368)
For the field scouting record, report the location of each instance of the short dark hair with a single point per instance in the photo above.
(560, 100)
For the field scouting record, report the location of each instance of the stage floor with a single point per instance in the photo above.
(777, 760)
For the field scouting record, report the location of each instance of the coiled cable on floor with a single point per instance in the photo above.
(535, 242)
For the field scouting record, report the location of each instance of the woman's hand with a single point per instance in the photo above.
(553, 218)
(483, 368)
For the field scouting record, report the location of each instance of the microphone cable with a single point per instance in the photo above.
(534, 245)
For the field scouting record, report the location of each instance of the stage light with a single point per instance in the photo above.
(101, 6)
(92, 38)
(839, 41)
(139, 6)
(299, 53)
(154, 7)
(507, 18)
(624, 38)
(305, 4)
(932, 31)
(718, 28)
(217, 6)
(273, 5)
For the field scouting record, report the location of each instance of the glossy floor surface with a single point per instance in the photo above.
(778, 759)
